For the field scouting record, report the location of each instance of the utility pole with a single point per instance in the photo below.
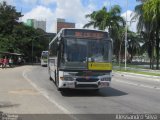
(32, 50)
(126, 37)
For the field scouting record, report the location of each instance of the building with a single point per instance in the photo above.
(36, 24)
(61, 23)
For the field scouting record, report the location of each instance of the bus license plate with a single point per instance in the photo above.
(104, 84)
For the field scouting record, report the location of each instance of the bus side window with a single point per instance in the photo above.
(53, 50)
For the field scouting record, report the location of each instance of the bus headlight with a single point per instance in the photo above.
(67, 78)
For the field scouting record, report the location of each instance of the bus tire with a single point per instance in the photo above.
(50, 78)
(56, 81)
(59, 89)
(96, 90)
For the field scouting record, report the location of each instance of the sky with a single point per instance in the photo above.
(70, 10)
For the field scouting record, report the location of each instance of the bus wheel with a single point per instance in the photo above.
(96, 90)
(60, 89)
(57, 83)
(50, 78)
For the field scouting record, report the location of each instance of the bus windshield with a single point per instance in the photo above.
(44, 56)
(78, 52)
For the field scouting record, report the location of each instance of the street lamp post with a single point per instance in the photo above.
(32, 51)
(126, 38)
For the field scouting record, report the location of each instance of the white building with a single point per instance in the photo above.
(37, 24)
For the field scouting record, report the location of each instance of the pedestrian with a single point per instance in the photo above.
(19, 60)
(1, 62)
(10, 62)
(5, 62)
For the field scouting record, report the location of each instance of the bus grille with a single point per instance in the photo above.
(87, 79)
(86, 86)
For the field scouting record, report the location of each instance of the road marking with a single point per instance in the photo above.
(141, 85)
(42, 92)
(45, 94)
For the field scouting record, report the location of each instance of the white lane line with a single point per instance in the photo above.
(44, 93)
(141, 85)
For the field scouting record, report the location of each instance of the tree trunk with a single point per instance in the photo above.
(157, 49)
(152, 55)
(150, 63)
(120, 57)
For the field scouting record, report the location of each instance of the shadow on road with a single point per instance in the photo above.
(7, 105)
(105, 92)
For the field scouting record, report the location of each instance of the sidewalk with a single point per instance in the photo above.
(17, 96)
(156, 78)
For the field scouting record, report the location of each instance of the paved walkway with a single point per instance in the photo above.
(19, 97)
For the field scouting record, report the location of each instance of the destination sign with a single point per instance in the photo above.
(89, 34)
(86, 33)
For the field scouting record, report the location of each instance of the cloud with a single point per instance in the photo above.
(41, 13)
(71, 10)
(131, 23)
(10, 2)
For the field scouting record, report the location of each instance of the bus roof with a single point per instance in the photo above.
(81, 29)
(92, 33)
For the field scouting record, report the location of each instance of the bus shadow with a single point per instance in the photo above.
(104, 92)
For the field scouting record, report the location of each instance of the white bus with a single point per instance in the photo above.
(44, 58)
(80, 59)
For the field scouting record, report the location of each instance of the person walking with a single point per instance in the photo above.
(1, 62)
(19, 60)
(10, 62)
(5, 62)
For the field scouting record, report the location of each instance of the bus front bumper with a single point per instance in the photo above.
(84, 85)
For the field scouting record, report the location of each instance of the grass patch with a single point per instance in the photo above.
(128, 65)
(139, 72)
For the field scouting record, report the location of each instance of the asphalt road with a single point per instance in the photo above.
(127, 94)
(31, 92)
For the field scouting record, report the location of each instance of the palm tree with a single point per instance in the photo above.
(144, 28)
(97, 19)
(139, 15)
(103, 19)
(133, 44)
(111, 20)
(152, 14)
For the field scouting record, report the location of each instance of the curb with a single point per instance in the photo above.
(157, 78)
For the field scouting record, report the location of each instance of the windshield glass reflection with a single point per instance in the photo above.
(77, 52)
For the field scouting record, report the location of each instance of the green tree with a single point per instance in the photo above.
(133, 43)
(145, 29)
(152, 14)
(111, 20)
(16, 37)
(8, 18)
(103, 19)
